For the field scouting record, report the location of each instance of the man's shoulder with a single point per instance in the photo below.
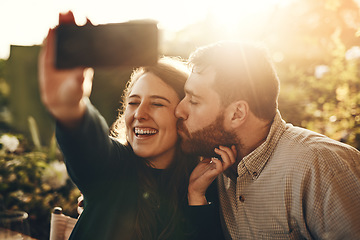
(309, 148)
(305, 138)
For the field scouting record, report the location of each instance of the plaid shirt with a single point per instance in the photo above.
(296, 185)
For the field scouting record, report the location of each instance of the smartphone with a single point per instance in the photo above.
(133, 43)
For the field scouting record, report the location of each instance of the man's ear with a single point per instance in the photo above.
(238, 113)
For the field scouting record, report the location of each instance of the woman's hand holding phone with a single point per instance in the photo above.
(63, 91)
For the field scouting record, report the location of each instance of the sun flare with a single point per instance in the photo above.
(29, 24)
(232, 15)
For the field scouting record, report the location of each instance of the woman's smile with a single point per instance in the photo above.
(150, 119)
(145, 132)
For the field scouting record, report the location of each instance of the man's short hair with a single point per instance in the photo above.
(244, 71)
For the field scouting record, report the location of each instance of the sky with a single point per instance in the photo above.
(26, 22)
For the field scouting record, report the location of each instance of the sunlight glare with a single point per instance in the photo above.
(247, 15)
(29, 24)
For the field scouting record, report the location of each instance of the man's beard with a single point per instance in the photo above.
(204, 141)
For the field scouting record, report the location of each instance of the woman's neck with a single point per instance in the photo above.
(162, 161)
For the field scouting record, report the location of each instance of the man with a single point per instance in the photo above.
(287, 182)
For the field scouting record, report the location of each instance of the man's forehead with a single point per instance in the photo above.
(203, 69)
(200, 82)
(202, 74)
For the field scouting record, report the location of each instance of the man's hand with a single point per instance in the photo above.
(206, 172)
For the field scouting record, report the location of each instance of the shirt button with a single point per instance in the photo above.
(242, 198)
(255, 174)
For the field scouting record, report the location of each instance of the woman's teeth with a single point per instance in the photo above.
(139, 131)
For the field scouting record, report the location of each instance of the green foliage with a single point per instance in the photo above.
(4, 87)
(34, 181)
(33, 177)
(328, 103)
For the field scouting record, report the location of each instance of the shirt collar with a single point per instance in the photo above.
(255, 161)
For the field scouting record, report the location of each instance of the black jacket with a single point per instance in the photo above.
(104, 171)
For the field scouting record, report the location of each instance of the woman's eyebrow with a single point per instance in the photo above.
(152, 97)
(161, 97)
(134, 96)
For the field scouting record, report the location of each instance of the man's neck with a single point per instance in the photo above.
(252, 136)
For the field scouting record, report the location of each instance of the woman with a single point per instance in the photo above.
(136, 190)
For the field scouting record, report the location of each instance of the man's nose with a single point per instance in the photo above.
(180, 111)
(142, 112)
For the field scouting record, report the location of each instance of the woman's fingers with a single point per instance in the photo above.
(46, 60)
(212, 167)
(47, 52)
(216, 164)
(202, 167)
(67, 18)
(88, 78)
(88, 22)
(206, 172)
(228, 156)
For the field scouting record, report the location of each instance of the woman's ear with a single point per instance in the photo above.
(239, 112)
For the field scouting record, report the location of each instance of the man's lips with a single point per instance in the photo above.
(181, 133)
(182, 130)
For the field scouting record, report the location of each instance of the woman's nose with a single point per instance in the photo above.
(141, 112)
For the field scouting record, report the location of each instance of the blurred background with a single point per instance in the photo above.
(314, 44)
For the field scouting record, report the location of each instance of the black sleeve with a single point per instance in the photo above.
(89, 151)
(205, 220)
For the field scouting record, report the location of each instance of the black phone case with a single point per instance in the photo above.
(109, 45)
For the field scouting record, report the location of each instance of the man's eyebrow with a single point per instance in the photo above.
(190, 92)
(152, 97)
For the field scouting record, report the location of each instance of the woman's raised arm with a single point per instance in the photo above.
(63, 91)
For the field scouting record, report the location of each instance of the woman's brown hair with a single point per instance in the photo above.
(174, 180)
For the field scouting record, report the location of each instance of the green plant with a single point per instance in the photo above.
(326, 97)
(34, 179)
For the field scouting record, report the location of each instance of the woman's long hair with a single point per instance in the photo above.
(175, 179)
